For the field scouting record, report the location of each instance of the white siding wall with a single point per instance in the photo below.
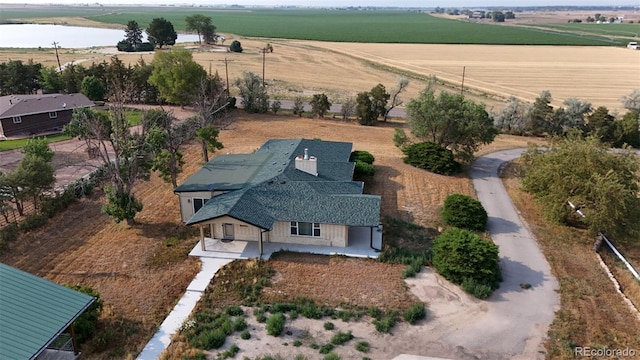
(186, 201)
(330, 235)
(241, 230)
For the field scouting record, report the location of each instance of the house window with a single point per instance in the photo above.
(198, 203)
(17, 119)
(53, 114)
(305, 229)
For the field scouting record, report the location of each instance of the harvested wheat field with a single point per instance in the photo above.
(601, 75)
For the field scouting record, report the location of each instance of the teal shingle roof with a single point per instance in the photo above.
(277, 191)
(33, 312)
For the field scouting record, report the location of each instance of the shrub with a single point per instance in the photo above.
(464, 212)
(298, 106)
(329, 325)
(473, 287)
(361, 155)
(239, 324)
(85, 324)
(245, 335)
(32, 222)
(145, 46)
(235, 310)
(229, 353)
(362, 346)
(275, 324)
(293, 314)
(363, 169)
(431, 157)
(341, 337)
(297, 343)
(459, 254)
(124, 45)
(326, 348)
(414, 313)
(386, 323)
(9, 232)
(208, 339)
(400, 138)
(275, 106)
(235, 46)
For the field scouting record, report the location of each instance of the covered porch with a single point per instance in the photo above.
(364, 242)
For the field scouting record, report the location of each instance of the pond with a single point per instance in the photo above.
(35, 36)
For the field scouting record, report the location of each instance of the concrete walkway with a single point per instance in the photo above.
(219, 253)
(161, 340)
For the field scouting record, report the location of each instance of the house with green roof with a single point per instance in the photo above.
(36, 316)
(297, 191)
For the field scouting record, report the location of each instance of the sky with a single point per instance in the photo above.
(343, 3)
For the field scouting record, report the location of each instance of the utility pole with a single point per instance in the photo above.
(55, 46)
(226, 70)
(264, 53)
(462, 87)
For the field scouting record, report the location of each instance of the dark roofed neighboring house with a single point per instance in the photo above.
(24, 115)
(36, 316)
(296, 191)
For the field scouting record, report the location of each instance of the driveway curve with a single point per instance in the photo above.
(516, 320)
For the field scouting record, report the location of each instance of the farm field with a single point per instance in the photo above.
(373, 26)
(601, 75)
(630, 31)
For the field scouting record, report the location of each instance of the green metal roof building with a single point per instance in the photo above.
(284, 181)
(34, 312)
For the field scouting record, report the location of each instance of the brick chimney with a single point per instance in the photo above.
(306, 163)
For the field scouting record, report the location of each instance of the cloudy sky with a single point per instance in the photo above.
(402, 3)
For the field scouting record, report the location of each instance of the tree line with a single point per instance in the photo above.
(161, 32)
(540, 118)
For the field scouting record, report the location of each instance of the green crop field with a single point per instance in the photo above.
(333, 25)
(628, 30)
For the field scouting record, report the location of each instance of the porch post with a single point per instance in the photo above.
(371, 237)
(202, 238)
(74, 343)
(211, 230)
(260, 245)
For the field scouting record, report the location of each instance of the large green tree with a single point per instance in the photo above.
(320, 104)
(201, 25)
(602, 183)
(92, 87)
(176, 76)
(254, 96)
(161, 32)
(126, 154)
(451, 121)
(364, 109)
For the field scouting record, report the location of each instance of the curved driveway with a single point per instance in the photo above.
(516, 320)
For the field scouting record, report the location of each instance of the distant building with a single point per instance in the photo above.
(24, 115)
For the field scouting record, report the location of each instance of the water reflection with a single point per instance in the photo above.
(34, 36)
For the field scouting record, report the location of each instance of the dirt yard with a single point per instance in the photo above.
(140, 276)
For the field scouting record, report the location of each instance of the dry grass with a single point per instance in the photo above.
(521, 71)
(140, 278)
(591, 313)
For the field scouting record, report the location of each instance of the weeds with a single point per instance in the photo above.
(362, 346)
(275, 324)
(341, 338)
(415, 313)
